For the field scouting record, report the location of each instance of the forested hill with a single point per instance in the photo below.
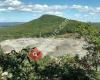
(45, 25)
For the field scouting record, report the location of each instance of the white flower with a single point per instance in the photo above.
(4, 73)
(10, 75)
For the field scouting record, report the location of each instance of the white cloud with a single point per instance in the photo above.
(17, 5)
(81, 15)
(11, 8)
(76, 7)
(97, 10)
(92, 13)
(55, 13)
(77, 15)
(81, 8)
(2, 9)
(12, 2)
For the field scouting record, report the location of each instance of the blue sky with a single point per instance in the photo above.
(26, 10)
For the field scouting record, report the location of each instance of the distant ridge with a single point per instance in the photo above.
(8, 24)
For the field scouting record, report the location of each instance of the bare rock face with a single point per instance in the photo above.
(48, 46)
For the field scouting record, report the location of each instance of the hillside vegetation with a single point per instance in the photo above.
(45, 25)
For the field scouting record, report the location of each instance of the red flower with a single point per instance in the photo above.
(35, 54)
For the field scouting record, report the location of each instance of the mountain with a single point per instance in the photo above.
(96, 24)
(8, 24)
(45, 26)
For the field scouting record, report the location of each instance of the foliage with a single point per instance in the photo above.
(1, 73)
(61, 68)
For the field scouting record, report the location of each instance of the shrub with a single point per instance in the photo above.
(48, 68)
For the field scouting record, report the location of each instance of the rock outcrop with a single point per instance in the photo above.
(49, 46)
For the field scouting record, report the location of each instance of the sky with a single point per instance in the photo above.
(27, 10)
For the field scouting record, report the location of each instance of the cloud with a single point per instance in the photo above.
(81, 15)
(55, 13)
(81, 8)
(17, 5)
(7, 3)
(2, 9)
(97, 10)
(77, 15)
(10, 8)
(92, 13)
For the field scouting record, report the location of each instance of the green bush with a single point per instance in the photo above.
(47, 68)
